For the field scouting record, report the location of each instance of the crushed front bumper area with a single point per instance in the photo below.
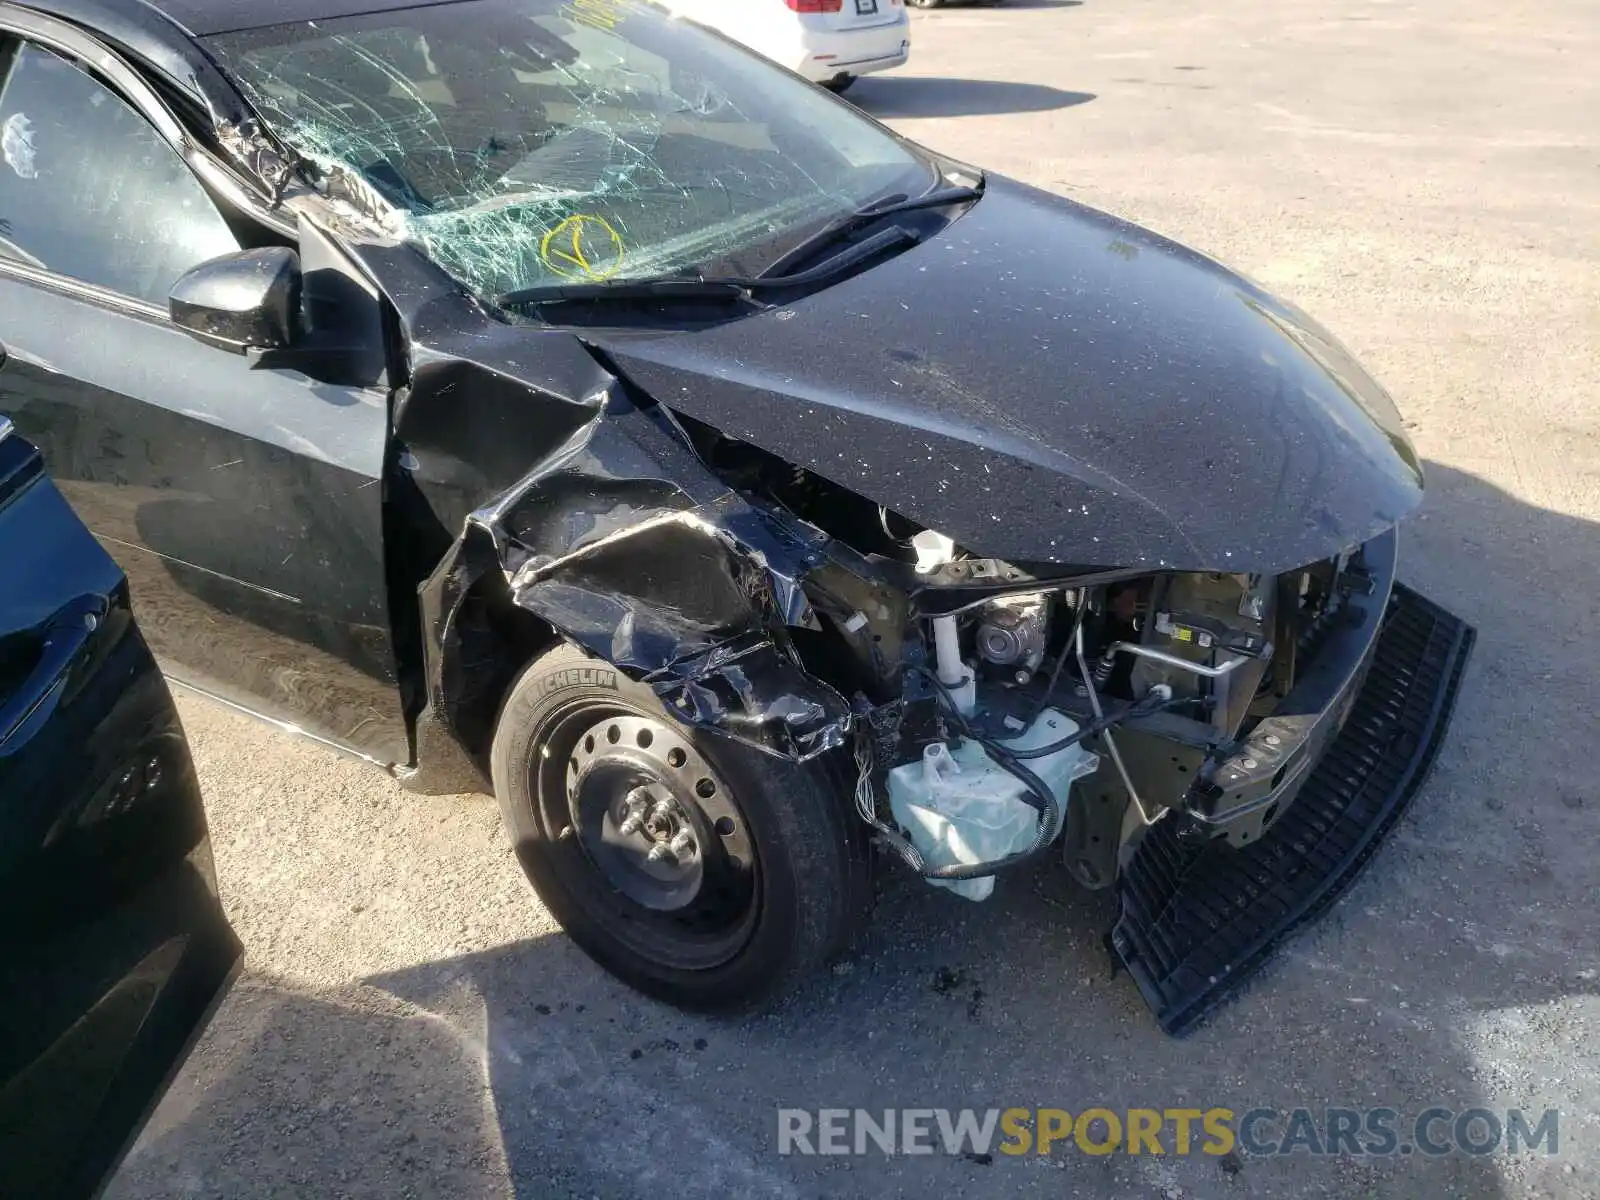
(1198, 916)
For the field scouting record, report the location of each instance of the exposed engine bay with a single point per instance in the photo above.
(1000, 713)
(1223, 749)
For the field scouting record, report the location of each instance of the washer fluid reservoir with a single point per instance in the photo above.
(962, 807)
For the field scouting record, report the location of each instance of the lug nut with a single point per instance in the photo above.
(683, 843)
(661, 851)
(636, 803)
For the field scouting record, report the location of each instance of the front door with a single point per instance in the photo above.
(242, 499)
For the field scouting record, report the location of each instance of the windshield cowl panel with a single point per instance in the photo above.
(530, 143)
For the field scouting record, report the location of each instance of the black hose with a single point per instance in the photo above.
(1150, 704)
(950, 699)
(1041, 799)
(1061, 659)
(1084, 731)
(1048, 826)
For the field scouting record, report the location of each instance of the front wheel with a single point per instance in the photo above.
(698, 870)
(838, 83)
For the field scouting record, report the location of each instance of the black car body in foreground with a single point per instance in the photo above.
(555, 396)
(114, 948)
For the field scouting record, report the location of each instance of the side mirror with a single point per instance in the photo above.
(248, 298)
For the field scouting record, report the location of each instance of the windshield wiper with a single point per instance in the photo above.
(699, 287)
(841, 226)
(687, 287)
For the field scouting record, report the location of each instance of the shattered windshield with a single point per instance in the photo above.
(532, 142)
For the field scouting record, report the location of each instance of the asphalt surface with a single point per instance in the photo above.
(1425, 178)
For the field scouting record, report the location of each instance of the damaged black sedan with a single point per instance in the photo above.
(554, 397)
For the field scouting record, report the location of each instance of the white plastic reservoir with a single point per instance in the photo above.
(963, 807)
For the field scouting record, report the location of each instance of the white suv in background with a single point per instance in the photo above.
(828, 41)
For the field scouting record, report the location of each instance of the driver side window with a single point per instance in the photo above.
(89, 189)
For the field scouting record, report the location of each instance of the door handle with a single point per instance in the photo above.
(64, 640)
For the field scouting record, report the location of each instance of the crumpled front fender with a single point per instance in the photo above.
(622, 542)
(696, 604)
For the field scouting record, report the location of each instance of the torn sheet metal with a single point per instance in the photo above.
(757, 694)
(261, 158)
(626, 545)
(697, 604)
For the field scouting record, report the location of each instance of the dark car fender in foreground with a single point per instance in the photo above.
(113, 946)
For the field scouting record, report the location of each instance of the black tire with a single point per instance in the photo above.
(838, 83)
(804, 891)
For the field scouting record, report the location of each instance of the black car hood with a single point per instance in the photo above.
(1048, 384)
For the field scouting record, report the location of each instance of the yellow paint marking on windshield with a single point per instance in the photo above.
(597, 14)
(583, 246)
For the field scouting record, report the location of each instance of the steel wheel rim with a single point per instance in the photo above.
(694, 910)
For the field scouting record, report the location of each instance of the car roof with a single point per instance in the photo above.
(205, 17)
(161, 34)
(202, 18)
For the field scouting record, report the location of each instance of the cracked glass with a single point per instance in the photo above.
(525, 143)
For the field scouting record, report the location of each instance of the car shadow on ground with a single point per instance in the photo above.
(1022, 4)
(525, 1070)
(911, 96)
(1012, 4)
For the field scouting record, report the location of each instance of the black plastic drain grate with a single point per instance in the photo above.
(1198, 918)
